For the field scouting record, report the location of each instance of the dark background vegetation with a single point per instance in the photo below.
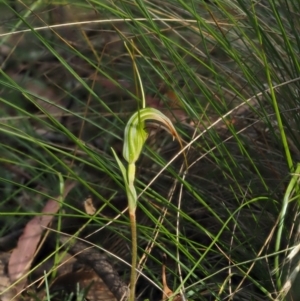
(225, 72)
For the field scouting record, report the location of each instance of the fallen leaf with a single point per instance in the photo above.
(23, 255)
(89, 206)
(167, 292)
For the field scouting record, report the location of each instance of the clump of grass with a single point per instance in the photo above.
(226, 75)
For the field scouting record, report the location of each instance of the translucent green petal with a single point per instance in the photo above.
(135, 134)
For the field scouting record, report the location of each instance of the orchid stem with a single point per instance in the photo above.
(132, 217)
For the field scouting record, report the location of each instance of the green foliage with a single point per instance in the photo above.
(224, 73)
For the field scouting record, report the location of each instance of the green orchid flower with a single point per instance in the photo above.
(135, 137)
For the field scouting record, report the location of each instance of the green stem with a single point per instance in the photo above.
(132, 217)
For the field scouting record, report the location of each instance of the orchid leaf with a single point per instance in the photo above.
(130, 189)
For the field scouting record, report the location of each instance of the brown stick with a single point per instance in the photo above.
(100, 264)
